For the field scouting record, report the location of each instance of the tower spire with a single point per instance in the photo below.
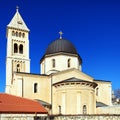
(61, 33)
(17, 21)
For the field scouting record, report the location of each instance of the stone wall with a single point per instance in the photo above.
(59, 117)
(109, 110)
(82, 117)
(6, 116)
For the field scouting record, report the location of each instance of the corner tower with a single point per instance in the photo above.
(17, 59)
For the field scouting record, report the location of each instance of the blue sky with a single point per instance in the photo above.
(93, 26)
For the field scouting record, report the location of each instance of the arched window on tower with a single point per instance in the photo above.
(16, 34)
(53, 63)
(69, 60)
(97, 91)
(21, 49)
(19, 34)
(35, 87)
(18, 67)
(15, 48)
(23, 35)
(84, 109)
(13, 33)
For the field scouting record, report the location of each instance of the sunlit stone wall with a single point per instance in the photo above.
(86, 117)
(109, 110)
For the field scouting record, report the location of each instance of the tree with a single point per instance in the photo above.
(117, 93)
(116, 96)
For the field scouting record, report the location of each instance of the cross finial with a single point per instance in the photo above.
(61, 33)
(17, 8)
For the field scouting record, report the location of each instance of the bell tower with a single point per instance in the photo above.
(17, 59)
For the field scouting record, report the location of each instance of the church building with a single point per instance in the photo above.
(61, 87)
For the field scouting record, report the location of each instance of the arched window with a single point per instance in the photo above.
(84, 109)
(53, 63)
(15, 48)
(18, 67)
(97, 91)
(21, 49)
(23, 35)
(19, 34)
(35, 87)
(13, 33)
(16, 34)
(69, 62)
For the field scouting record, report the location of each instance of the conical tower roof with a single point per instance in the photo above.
(18, 22)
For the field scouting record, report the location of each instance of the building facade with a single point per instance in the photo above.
(61, 86)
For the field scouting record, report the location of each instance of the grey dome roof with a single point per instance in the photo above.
(61, 45)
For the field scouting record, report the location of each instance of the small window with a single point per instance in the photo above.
(35, 87)
(21, 49)
(18, 67)
(69, 62)
(84, 109)
(20, 22)
(53, 63)
(97, 91)
(15, 48)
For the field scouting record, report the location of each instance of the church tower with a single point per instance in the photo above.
(17, 59)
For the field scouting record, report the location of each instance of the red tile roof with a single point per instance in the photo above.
(13, 104)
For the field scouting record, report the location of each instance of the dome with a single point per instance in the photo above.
(61, 45)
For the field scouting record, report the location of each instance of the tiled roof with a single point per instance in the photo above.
(13, 104)
(43, 102)
(73, 79)
(101, 80)
(100, 104)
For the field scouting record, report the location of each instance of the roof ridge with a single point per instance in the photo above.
(19, 97)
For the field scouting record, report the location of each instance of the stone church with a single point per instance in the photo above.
(61, 87)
